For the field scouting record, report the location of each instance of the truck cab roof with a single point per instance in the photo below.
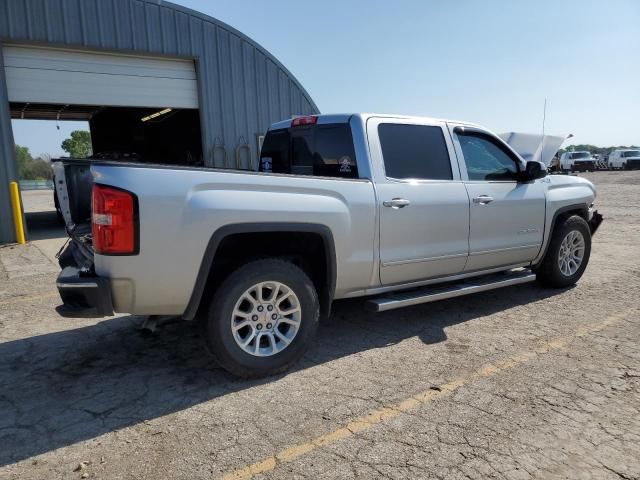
(346, 118)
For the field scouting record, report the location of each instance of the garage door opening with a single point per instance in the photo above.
(37, 142)
(136, 108)
(159, 135)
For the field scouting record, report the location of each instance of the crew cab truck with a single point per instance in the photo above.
(399, 210)
(577, 162)
(624, 159)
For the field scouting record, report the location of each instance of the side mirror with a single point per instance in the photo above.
(534, 171)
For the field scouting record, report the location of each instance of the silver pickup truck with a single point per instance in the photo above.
(400, 210)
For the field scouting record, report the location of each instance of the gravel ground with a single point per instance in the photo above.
(517, 383)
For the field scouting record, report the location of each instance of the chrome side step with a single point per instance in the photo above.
(392, 301)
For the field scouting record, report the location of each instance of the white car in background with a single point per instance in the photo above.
(625, 159)
(577, 161)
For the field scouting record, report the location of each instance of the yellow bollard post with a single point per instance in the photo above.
(17, 212)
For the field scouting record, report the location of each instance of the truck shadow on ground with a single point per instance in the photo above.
(62, 388)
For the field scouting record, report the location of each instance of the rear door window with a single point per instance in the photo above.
(319, 150)
(414, 152)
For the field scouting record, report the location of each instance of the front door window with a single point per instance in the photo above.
(485, 160)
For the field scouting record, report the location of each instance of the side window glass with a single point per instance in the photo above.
(485, 160)
(274, 156)
(334, 154)
(414, 152)
(320, 150)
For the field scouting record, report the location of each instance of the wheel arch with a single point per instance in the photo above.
(580, 209)
(328, 286)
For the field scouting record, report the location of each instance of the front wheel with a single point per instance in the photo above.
(262, 318)
(567, 255)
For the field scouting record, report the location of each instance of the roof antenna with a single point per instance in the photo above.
(544, 118)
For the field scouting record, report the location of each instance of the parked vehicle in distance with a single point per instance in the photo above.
(400, 210)
(577, 162)
(625, 159)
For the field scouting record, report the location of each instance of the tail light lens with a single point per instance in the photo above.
(302, 121)
(114, 219)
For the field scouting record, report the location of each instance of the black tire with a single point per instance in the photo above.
(218, 333)
(548, 273)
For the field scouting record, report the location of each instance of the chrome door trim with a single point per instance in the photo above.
(498, 250)
(419, 260)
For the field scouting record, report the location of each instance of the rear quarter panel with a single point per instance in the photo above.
(181, 209)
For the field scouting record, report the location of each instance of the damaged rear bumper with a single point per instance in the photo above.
(83, 296)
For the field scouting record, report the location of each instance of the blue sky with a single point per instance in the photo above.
(489, 62)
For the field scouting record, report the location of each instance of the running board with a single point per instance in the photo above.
(431, 294)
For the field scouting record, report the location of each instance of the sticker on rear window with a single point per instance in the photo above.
(345, 165)
(266, 164)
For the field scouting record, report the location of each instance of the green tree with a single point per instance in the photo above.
(78, 145)
(24, 159)
(30, 168)
(41, 169)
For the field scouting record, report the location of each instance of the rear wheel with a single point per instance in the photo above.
(567, 255)
(262, 318)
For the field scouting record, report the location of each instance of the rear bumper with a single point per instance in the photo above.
(83, 296)
(595, 221)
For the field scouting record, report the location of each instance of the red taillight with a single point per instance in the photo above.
(113, 221)
(300, 121)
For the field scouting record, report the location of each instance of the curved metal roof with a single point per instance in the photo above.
(242, 89)
(231, 29)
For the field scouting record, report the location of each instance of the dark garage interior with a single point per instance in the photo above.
(149, 135)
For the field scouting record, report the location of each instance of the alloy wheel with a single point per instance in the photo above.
(571, 253)
(266, 318)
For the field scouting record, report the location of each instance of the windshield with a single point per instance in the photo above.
(631, 153)
(581, 155)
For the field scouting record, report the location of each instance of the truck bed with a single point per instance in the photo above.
(180, 209)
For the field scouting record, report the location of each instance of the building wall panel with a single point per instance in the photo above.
(243, 89)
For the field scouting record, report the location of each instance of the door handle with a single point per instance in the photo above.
(483, 199)
(397, 203)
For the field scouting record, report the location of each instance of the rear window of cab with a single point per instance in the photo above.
(319, 150)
